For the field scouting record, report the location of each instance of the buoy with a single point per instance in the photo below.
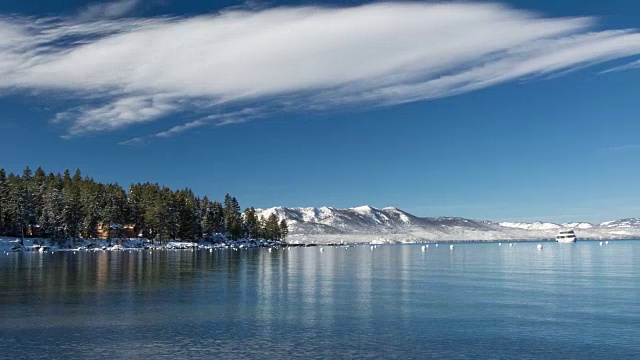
(510, 244)
(606, 242)
(436, 245)
(321, 249)
(423, 248)
(451, 247)
(372, 247)
(600, 243)
(499, 244)
(539, 246)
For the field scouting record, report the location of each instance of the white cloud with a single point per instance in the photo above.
(109, 9)
(222, 119)
(629, 66)
(119, 113)
(293, 57)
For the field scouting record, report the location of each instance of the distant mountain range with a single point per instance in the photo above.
(366, 224)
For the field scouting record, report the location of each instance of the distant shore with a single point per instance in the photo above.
(47, 245)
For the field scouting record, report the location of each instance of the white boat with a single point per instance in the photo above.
(566, 236)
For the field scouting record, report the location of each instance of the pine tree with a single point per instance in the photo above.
(271, 228)
(251, 228)
(39, 187)
(20, 206)
(73, 216)
(232, 217)
(69, 206)
(92, 199)
(206, 215)
(284, 229)
(218, 218)
(189, 221)
(114, 212)
(4, 197)
(52, 218)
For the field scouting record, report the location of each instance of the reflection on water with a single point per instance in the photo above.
(482, 300)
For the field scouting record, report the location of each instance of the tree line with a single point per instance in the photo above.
(65, 206)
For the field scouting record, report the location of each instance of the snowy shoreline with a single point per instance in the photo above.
(47, 245)
(41, 245)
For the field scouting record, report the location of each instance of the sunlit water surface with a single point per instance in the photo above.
(476, 300)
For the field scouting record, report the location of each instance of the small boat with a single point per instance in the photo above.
(566, 236)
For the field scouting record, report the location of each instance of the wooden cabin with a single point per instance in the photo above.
(118, 231)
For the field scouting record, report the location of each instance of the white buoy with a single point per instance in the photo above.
(510, 244)
(539, 246)
(321, 249)
(499, 244)
(606, 242)
(270, 249)
(436, 245)
(423, 248)
(372, 247)
(427, 246)
(451, 247)
(600, 243)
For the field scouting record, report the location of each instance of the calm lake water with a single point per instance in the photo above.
(478, 300)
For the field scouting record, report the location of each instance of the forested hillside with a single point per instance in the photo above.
(65, 206)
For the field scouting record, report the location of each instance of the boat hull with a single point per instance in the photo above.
(566, 240)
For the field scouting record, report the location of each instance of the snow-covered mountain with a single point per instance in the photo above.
(390, 224)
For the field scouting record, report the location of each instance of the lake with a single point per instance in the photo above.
(477, 300)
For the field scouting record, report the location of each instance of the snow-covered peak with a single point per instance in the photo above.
(530, 226)
(363, 221)
(622, 223)
(366, 209)
(577, 225)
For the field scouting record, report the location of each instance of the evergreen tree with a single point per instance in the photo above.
(136, 204)
(92, 201)
(4, 198)
(251, 228)
(20, 206)
(114, 212)
(68, 206)
(73, 216)
(218, 218)
(52, 219)
(39, 187)
(232, 217)
(284, 229)
(189, 221)
(206, 214)
(271, 228)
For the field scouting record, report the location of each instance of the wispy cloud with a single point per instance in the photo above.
(132, 71)
(234, 117)
(216, 120)
(629, 66)
(109, 9)
(118, 113)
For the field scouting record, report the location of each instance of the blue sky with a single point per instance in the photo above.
(513, 110)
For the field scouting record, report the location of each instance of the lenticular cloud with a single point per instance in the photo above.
(136, 70)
